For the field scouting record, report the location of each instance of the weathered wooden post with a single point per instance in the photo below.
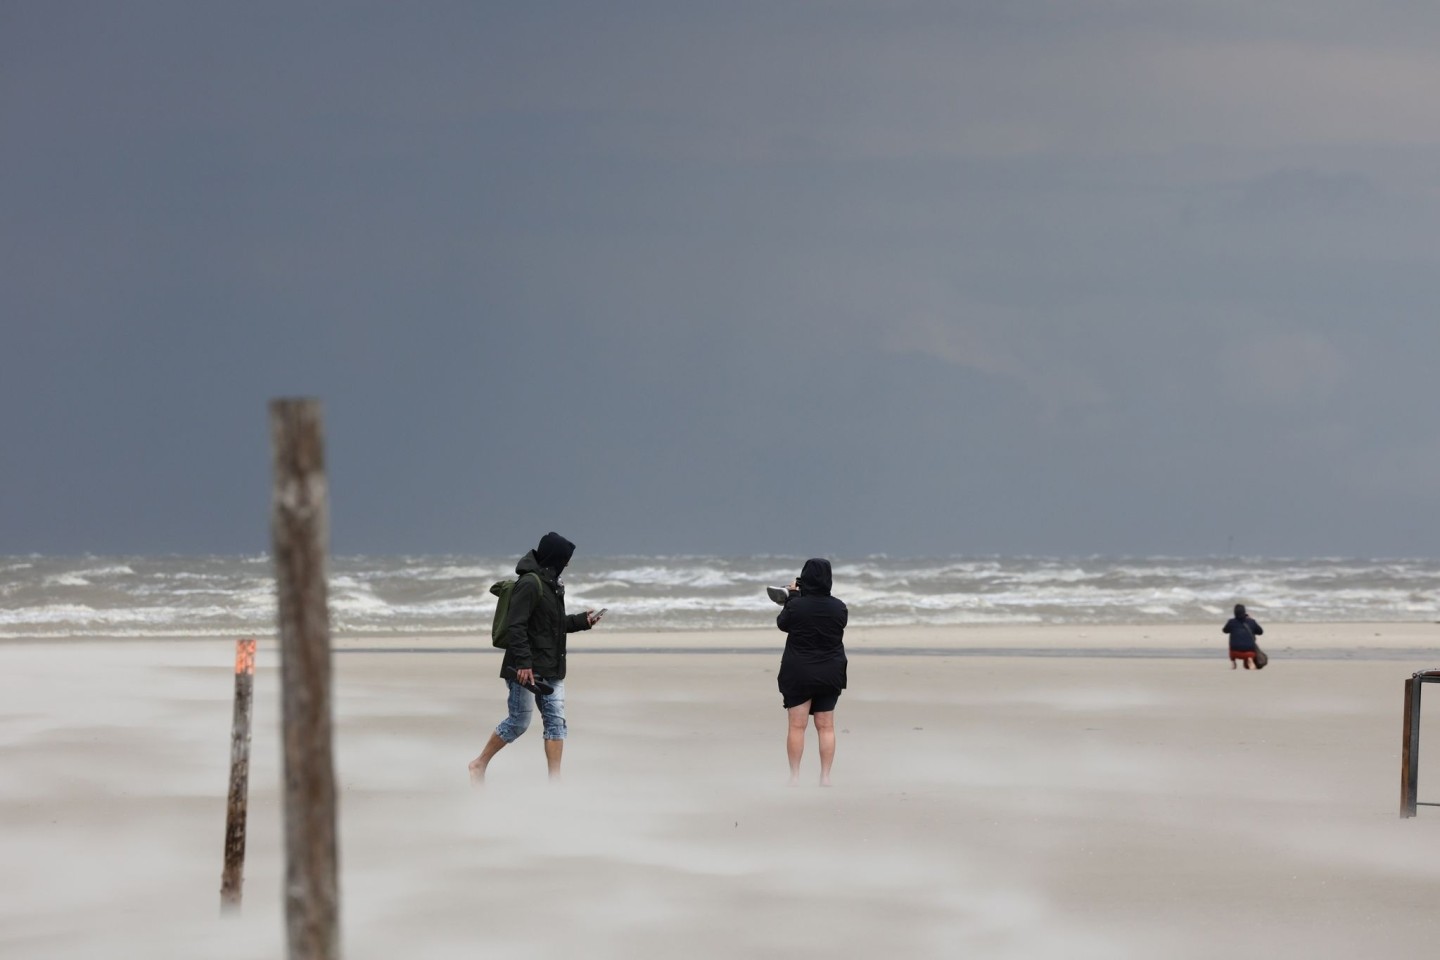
(1410, 748)
(299, 525)
(232, 877)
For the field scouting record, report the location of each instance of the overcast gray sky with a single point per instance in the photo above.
(1073, 277)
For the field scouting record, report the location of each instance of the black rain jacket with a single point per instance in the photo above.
(536, 624)
(814, 623)
(1243, 631)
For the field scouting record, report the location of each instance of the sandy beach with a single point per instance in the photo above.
(1004, 792)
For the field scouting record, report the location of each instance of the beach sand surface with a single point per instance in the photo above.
(1109, 792)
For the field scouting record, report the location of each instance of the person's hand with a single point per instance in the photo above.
(593, 616)
(526, 677)
(794, 585)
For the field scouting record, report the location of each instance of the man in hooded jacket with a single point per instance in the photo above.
(534, 664)
(813, 667)
(1243, 630)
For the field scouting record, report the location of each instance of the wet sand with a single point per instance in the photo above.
(1008, 792)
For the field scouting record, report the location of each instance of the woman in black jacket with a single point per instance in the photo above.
(812, 669)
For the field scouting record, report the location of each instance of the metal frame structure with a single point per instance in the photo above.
(1410, 743)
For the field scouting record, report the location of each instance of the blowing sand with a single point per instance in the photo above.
(1110, 793)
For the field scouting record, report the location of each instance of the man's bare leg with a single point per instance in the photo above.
(825, 730)
(795, 739)
(478, 765)
(553, 750)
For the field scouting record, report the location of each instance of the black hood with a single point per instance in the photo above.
(815, 578)
(1240, 611)
(554, 552)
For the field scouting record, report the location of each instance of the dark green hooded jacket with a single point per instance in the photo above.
(536, 625)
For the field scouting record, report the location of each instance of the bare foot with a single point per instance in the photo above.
(477, 772)
(794, 780)
(825, 782)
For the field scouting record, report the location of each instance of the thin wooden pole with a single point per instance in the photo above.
(232, 877)
(300, 531)
(1410, 749)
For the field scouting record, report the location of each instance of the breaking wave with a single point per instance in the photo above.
(43, 597)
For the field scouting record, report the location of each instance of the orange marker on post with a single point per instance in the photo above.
(233, 876)
(245, 658)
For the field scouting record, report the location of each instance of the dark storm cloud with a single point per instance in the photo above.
(1001, 277)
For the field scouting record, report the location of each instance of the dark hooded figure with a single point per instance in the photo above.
(1242, 630)
(812, 669)
(534, 664)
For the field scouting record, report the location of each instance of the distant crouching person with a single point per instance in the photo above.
(1243, 630)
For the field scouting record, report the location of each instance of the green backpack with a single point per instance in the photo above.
(503, 589)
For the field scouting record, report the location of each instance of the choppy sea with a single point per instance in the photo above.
(174, 596)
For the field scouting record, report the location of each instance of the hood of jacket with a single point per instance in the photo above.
(815, 578)
(554, 552)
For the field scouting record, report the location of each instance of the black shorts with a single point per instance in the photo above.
(821, 700)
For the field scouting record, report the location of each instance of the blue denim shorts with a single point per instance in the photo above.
(522, 703)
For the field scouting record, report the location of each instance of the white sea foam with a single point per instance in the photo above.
(108, 570)
(219, 595)
(454, 572)
(82, 615)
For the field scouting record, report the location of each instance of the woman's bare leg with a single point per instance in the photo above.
(795, 738)
(825, 730)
